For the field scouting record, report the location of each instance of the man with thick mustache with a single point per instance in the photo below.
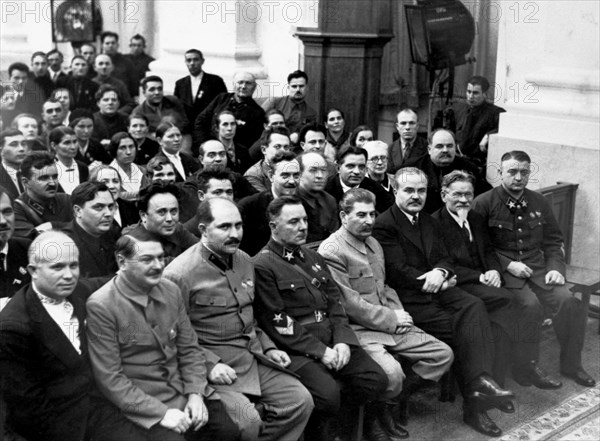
(419, 268)
(40, 207)
(440, 161)
(244, 365)
(285, 176)
(298, 306)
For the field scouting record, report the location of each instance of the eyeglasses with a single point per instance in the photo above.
(378, 159)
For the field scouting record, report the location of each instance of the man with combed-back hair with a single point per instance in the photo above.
(145, 356)
(40, 207)
(381, 323)
(421, 271)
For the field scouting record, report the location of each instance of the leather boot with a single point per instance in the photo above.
(389, 423)
(374, 430)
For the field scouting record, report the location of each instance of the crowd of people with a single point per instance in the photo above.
(202, 266)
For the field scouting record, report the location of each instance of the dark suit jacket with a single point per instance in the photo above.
(16, 275)
(32, 100)
(410, 252)
(435, 175)
(94, 152)
(395, 159)
(383, 199)
(254, 215)
(7, 183)
(96, 254)
(458, 248)
(210, 87)
(46, 383)
(83, 90)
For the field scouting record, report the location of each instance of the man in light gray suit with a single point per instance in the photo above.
(383, 327)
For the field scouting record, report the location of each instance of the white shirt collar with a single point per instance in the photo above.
(345, 188)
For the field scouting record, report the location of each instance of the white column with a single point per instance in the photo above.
(548, 80)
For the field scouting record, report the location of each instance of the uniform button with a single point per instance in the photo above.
(500, 226)
(520, 240)
(520, 230)
(292, 285)
(520, 218)
(520, 252)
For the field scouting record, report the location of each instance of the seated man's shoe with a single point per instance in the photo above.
(506, 407)
(389, 423)
(374, 430)
(486, 391)
(531, 374)
(580, 377)
(481, 422)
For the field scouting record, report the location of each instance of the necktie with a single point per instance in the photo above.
(407, 148)
(415, 221)
(2, 258)
(19, 183)
(465, 232)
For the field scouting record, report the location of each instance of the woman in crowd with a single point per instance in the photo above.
(123, 149)
(224, 129)
(147, 147)
(170, 140)
(126, 213)
(89, 150)
(360, 135)
(71, 173)
(336, 124)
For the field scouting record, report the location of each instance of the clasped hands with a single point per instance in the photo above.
(336, 358)
(195, 415)
(435, 281)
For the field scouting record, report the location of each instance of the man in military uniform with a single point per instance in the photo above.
(478, 272)
(298, 306)
(381, 323)
(529, 244)
(243, 364)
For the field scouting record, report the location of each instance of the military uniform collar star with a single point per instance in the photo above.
(514, 205)
(290, 255)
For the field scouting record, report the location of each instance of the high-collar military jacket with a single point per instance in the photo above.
(219, 296)
(298, 303)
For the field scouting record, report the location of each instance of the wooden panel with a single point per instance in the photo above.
(562, 200)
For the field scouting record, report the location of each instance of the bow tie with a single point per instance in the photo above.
(514, 205)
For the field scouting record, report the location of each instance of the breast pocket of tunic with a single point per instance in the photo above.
(296, 297)
(362, 280)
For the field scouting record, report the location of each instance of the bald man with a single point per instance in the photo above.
(248, 114)
(43, 361)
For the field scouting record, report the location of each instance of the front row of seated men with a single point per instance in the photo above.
(284, 342)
